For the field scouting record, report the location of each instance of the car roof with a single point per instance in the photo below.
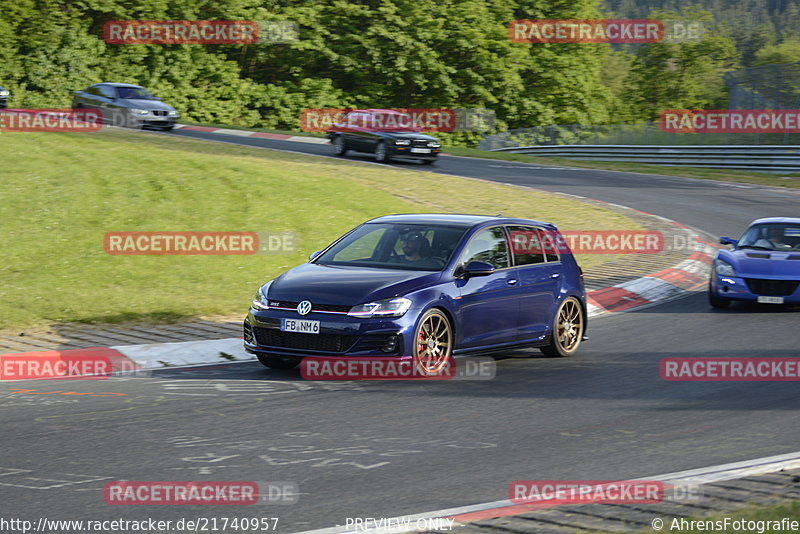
(114, 84)
(453, 219)
(776, 220)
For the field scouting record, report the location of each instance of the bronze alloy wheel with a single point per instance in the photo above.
(434, 342)
(568, 329)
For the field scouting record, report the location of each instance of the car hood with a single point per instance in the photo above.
(149, 105)
(750, 263)
(343, 285)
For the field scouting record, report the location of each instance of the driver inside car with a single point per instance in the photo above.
(774, 239)
(416, 251)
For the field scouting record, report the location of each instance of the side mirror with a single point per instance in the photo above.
(728, 241)
(314, 255)
(478, 268)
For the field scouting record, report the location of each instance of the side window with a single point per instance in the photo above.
(526, 245)
(553, 243)
(106, 91)
(489, 246)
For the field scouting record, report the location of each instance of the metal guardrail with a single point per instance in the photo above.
(764, 158)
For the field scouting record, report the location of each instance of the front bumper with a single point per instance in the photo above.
(340, 336)
(396, 151)
(155, 121)
(749, 289)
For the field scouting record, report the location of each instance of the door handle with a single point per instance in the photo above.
(512, 281)
(555, 275)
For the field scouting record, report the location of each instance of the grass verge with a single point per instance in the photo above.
(764, 517)
(65, 191)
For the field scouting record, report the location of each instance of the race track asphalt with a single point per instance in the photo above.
(378, 449)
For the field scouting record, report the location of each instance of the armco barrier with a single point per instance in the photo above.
(766, 158)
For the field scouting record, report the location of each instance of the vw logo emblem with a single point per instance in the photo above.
(304, 308)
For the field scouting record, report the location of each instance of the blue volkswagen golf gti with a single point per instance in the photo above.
(762, 266)
(423, 287)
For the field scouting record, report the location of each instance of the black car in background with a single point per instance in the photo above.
(123, 104)
(374, 130)
(4, 94)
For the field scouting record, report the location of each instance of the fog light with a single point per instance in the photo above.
(390, 345)
(248, 334)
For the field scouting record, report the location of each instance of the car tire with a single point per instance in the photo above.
(433, 343)
(279, 362)
(569, 325)
(716, 302)
(382, 153)
(339, 146)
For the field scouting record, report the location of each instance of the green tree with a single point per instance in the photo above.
(686, 75)
(786, 52)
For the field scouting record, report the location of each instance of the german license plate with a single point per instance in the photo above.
(300, 325)
(421, 150)
(770, 300)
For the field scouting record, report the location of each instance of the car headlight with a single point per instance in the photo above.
(260, 301)
(434, 144)
(139, 111)
(395, 307)
(4, 93)
(724, 268)
(402, 142)
(172, 113)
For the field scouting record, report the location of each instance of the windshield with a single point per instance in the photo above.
(134, 93)
(772, 237)
(416, 247)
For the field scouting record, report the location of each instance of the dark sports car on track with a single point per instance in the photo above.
(423, 288)
(762, 266)
(386, 133)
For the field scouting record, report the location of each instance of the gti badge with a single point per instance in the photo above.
(304, 308)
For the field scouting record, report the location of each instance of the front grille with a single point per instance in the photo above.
(772, 288)
(159, 113)
(270, 337)
(419, 143)
(314, 307)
